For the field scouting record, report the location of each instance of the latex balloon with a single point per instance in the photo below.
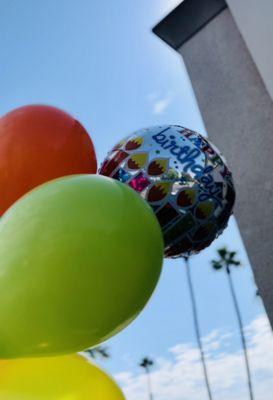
(37, 144)
(55, 378)
(184, 179)
(79, 259)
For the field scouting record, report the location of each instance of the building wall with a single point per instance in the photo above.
(255, 21)
(238, 114)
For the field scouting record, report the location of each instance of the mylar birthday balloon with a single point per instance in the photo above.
(183, 178)
(79, 258)
(55, 378)
(37, 144)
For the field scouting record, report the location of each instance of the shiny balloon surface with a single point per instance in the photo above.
(79, 258)
(184, 179)
(37, 144)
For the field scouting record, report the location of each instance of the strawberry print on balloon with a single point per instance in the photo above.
(187, 197)
(204, 209)
(158, 191)
(185, 180)
(133, 144)
(137, 161)
(157, 167)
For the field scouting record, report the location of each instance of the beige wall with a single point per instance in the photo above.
(238, 114)
(254, 19)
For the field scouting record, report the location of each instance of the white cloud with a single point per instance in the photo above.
(180, 377)
(160, 103)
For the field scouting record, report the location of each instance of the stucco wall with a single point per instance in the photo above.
(255, 22)
(238, 114)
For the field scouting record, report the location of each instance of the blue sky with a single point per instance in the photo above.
(100, 61)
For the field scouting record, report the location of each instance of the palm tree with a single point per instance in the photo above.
(99, 351)
(197, 328)
(147, 363)
(225, 261)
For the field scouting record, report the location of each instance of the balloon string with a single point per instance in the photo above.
(197, 328)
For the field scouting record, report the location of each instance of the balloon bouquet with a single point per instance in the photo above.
(80, 254)
(187, 184)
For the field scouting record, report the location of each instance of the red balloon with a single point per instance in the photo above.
(39, 143)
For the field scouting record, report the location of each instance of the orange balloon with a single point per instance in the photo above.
(37, 144)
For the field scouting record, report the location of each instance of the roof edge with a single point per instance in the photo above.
(188, 18)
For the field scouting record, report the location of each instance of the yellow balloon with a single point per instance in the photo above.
(55, 378)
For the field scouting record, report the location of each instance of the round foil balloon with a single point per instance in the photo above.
(55, 378)
(183, 178)
(79, 258)
(37, 144)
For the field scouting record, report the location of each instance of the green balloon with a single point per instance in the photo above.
(79, 258)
